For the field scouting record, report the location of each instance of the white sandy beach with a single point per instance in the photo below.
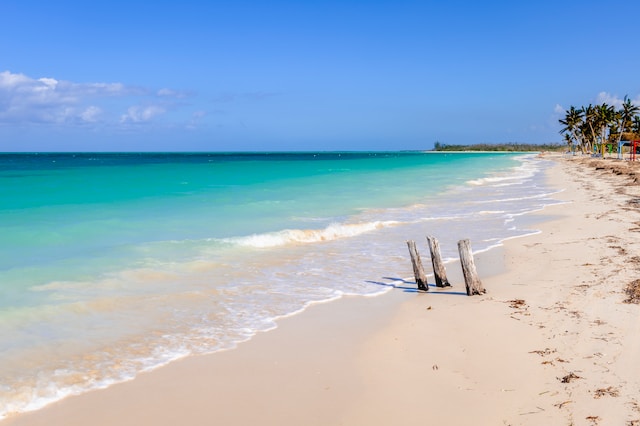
(551, 343)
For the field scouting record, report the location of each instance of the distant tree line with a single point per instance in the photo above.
(592, 126)
(508, 147)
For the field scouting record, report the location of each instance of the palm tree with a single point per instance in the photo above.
(572, 123)
(635, 127)
(626, 117)
(605, 117)
(600, 124)
(590, 119)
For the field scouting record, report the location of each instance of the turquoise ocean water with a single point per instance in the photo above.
(113, 264)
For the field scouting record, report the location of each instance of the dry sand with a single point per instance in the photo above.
(552, 342)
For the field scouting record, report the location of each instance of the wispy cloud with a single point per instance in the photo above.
(559, 109)
(602, 97)
(91, 114)
(615, 100)
(168, 93)
(140, 114)
(27, 100)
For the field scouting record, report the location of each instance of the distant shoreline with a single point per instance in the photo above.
(508, 147)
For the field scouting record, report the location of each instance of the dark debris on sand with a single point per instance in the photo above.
(570, 377)
(633, 292)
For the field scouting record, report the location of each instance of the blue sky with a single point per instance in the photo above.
(305, 75)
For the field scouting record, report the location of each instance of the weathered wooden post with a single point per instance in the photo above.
(439, 270)
(471, 280)
(418, 270)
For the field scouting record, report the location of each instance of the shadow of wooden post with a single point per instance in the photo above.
(418, 270)
(439, 271)
(471, 280)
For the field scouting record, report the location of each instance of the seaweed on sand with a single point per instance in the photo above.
(633, 292)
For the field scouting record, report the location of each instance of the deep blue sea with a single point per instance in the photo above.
(113, 264)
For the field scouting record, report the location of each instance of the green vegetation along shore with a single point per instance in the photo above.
(509, 147)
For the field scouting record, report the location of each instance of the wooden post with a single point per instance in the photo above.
(439, 271)
(418, 270)
(471, 280)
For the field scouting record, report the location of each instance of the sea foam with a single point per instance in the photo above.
(307, 236)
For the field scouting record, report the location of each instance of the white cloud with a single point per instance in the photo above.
(9, 80)
(138, 114)
(46, 100)
(49, 82)
(25, 100)
(171, 93)
(91, 114)
(605, 97)
(559, 109)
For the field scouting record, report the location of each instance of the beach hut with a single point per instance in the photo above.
(634, 146)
